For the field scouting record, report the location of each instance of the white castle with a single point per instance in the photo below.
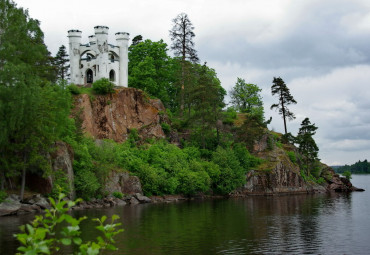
(98, 59)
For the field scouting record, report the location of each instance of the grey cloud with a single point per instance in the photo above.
(318, 40)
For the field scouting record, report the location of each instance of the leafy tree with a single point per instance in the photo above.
(245, 97)
(32, 111)
(183, 46)
(307, 145)
(61, 61)
(280, 89)
(150, 69)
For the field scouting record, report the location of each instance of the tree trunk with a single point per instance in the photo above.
(182, 91)
(23, 177)
(2, 184)
(283, 109)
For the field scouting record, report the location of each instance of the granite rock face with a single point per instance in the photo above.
(122, 182)
(113, 116)
(278, 175)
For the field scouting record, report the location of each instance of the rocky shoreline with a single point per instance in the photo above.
(37, 203)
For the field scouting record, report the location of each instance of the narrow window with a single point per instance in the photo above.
(112, 75)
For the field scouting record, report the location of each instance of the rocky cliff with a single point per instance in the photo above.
(113, 116)
(279, 175)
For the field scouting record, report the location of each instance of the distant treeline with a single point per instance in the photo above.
(360, 167)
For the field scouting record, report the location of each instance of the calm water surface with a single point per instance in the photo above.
(295, 224)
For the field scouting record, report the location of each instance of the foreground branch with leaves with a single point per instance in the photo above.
(40, 237)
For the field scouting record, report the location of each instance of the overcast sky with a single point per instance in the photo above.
(321, 49)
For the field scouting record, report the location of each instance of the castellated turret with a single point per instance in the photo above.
(98, 59)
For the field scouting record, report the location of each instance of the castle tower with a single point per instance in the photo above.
(74, 54)
(98, 59)
(122, 41)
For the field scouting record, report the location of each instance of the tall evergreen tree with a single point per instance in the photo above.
(182, 36)
(207, 101)
(61, 61)
(307, 145)
(137, 39)
(280, 89)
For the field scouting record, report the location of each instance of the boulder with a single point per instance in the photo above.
(9, 207)
(39, 201)
(142, 199)
(122, 182)
(134, 201)
(120, 203)
(27, 208)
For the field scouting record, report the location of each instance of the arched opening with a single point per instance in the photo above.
(112, 75)
(89, 76)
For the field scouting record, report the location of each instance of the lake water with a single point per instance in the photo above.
(294, 224)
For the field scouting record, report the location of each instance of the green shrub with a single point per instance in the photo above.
(3, 195)
(347, 174)
(320, 180)
(270, 143)
(166, 128)
(232, 174)
(103, 86)
(133, 136)
(193, 182)
(117, 194)
(60, 184)
(279, 144)
(229, 116)
(74, 89)
(86, 183)
(292, 157)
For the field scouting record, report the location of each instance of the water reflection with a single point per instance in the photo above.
(295, 224)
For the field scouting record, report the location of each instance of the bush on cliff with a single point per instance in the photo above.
(163, 168)
(103, 86)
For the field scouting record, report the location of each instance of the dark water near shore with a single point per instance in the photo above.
(294, 224)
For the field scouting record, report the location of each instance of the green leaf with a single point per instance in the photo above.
(77, 240)
(111, 247)
(66, 241)
(115, 217)
(103, 218)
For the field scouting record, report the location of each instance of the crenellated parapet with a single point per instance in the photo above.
(98, 59)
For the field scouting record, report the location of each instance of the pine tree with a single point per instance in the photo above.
(280, 89)
(307, 145)
(183, 46)
(207, 101)
(61, 61)
(137, 39)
